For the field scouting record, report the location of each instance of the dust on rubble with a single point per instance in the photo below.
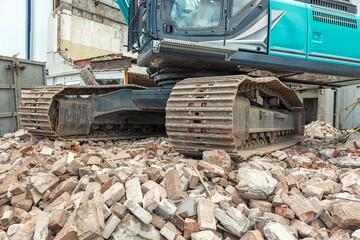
(145, 190)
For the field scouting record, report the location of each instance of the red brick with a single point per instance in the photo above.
(122, 176)
(253, 235)
(285, 212)
(190, 226)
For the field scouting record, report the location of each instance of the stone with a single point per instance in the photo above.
(327, 153)
(255, 184)
(131, 227)
(4, 157)
(218, 197)
(276, 231)
(24, 231)
(90, 220)
(138, 211)
(90, 187)
(74, 166)
(101, 178)
(173, 185)
(190, 226)
(41, 231)
(5, 146)
(219, 158)
(43, 181)
(305, 230)
(58, 203)
(94, 160)
(21, 133)
(204, 235)
(46, 151)
(133, 190)
(166, 209)
(157, 221)
(243, 222)
(69, 231)
(281, 155)
(192, 177)
(151, 200)
(114, 193)
(119, 210)
(313, 191)
(271, 217)
(284, 211)
(211, 169)
(167, 233)
(147, 185)
(110, 226)
(205, 213)
(346, 214)
(264, 206)
(57, 219)
(59, 167)
(7, 215)
(356, 234)
(301, 206)
(252, 235)
(188, 205)
(65, 186)
(19, 215)
(351, 181)
(228, 222)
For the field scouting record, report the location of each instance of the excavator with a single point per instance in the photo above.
(222, 69)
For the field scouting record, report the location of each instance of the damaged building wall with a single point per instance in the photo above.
(90, 28)
(83, 29)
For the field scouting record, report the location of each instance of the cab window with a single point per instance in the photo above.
(193, 14)
(238, 5)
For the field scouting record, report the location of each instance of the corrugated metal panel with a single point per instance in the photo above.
(16, 76)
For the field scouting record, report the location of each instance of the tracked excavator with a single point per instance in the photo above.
(208, 59)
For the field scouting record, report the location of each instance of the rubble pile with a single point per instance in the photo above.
(143, 190)
(319, 131)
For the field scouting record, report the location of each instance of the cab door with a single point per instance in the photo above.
(247, 25)
(192, 20)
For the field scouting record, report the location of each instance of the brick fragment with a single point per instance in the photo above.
(119, 210)
(190, 226)
(138, 211)
(205, 211)
(173, 185)
(57, 219)
(285, 212)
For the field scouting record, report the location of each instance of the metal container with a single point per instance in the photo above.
(16, 77)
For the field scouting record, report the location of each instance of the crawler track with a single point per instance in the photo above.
(38, 113)
(212, 113)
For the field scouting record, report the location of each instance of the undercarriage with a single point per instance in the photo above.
(239, 114)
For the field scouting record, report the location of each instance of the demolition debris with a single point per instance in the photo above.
(143, 190)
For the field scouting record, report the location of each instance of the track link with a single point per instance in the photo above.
(200, 115)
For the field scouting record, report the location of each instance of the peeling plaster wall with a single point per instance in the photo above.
(87, 30)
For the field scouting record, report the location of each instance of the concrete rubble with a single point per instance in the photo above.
(144, 190)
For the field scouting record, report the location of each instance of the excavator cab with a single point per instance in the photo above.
(233, 36)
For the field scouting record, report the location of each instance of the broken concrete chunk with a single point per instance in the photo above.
(43, 181)
(133, 190)
(166, 209)
(138, 211)
(114, 194)
(276, 231)
(110, 226)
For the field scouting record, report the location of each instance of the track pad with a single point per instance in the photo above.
(75, 116)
